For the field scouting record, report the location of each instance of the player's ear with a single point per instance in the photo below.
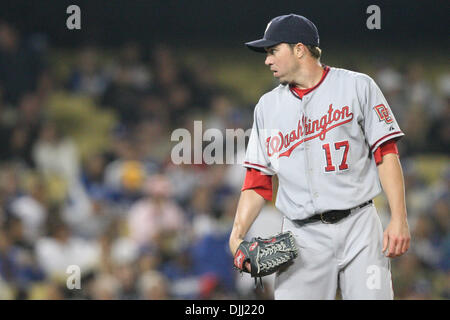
(299, 50)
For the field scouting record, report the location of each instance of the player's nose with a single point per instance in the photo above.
(268, 61)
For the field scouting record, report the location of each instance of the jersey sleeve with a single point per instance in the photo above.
(256, 155)
(379, 121)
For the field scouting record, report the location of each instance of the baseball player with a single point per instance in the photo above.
(330, 137)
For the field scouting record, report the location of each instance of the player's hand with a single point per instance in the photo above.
(234, 244)
(396, 238)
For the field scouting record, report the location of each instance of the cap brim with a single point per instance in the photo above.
(259, 45)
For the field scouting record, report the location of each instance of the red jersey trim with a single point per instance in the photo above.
(300, 93)
(256, 165)
(386, 136)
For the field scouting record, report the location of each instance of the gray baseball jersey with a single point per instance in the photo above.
(321, 146)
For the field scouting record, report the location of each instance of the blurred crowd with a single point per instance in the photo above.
(104, 195)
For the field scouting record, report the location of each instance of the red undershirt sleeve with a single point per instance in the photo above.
(388, 147)
(259, 182)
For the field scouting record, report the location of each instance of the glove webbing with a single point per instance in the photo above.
(268, 251)
(264, 266)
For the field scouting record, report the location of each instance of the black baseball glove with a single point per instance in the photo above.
(266, 256)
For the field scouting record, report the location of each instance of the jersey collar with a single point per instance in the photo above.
(299, 93)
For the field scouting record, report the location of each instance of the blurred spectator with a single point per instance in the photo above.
(184, 280)
(215, 180)
(6, 292)
(235, 172)
(407, 270)
(87, 217)
(418, 90)
(175, 83)
(105, 287)
(390, 81)
(124, 176)
(153, 286)
(149, 259)
(166, 68)
(426, 242)
(16, 233)
(9, 188)
(56, 154)
(151, 137)
(88, 77)
(23, 134)
(417, 196)
(131, 67)
(124, 251)
(60, 249)
(417, 124)
(200, 211)
(421, 290)
(179, 100)
(153, 107)
(438, 137)
(127, 277)
(31, 209)
(20, 68)
(156, 218)
(17, 264)
(7, 267)
(210, 256)
(220, 116)
(131, 79)
(184, 179)
(51, 290)
(92, 177)
(205, 84)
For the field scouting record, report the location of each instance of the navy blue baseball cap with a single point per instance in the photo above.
(291, 28)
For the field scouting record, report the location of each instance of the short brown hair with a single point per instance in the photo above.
(315, 52)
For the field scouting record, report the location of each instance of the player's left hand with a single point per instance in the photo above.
(396, 238)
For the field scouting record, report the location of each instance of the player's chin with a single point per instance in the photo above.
(282, 80)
